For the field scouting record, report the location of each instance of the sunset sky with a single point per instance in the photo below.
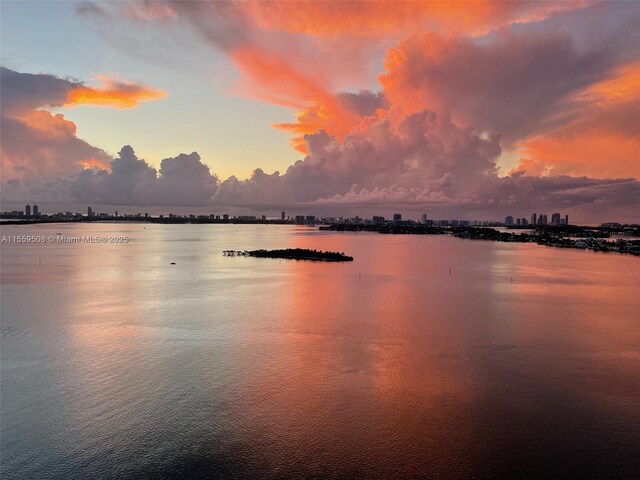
(472, 110)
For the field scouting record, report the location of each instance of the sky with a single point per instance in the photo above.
(459, 109)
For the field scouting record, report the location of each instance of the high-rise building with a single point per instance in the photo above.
(542, 219)
(508, 220)
(282, 215)
(423, 219)
(397, 217)
(378, 220)
(534, 219)
(36, 211)
(27, 210)
(518, 221)
(89, 212)
(566, 219)
(555, 219)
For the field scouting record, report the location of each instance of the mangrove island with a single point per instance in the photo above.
(292, 254)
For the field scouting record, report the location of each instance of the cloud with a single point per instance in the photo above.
(601, 139)
(24, 92)
(462, 83)
(421, 161)
(515, 85)
(299, 54)
(418, 162)
(336, 114)
(562, 94)
(182, 181)
(130, 181)
(394, 149)
(390, 150)
(113, 92)
(40, 148)
(37, 146)
(185, 180)
(340, 18)
(591, 199)
(300, 73)
(365, 103)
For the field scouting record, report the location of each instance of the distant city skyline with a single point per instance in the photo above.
(535, 219)
(386, 213)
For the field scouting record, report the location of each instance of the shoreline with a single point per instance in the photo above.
(570, 236)
(574, 236)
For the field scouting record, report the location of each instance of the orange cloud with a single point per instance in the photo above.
(391, 18)
(329, 117)
(604, 138)
(47, 125)
(39, 145)
(278, 69)
(338, 18)
(270, 78)
(115, 93)
(94, 164)
(599, 155)
(623, 85)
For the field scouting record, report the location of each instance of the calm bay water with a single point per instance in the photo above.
(115, 363)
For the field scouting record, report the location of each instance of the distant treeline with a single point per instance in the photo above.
(565, 236)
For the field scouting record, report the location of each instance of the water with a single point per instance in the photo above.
(116, 363)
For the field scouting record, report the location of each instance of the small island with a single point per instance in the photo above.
(292, 254)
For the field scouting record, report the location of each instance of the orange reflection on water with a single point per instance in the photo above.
(391, 365)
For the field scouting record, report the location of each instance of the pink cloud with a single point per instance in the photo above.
(450, 102)
(38, 147)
